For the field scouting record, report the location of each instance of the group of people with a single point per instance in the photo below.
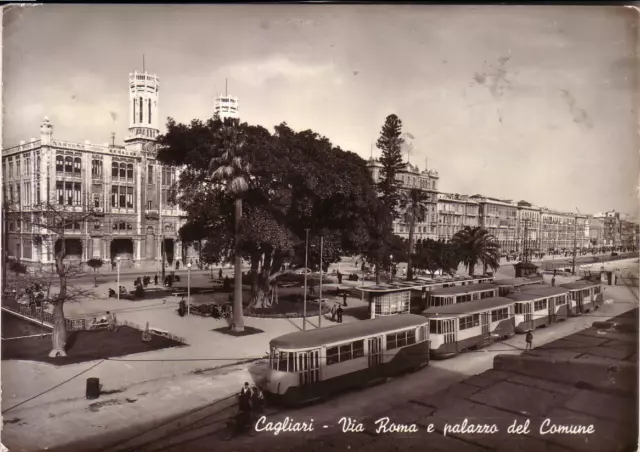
(336, 311)
(251, 405)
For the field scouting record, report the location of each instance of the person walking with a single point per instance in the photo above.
(155, 280)
(529, 340)
(344, 299)
(257, 399)
(339, 277)
(339, 312)
(220, 274)
(334, 310)
(553, 281)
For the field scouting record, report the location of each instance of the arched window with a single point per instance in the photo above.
(68, 164)
(129, 171)
(141, 108)
(114, 170)
(59, 163)
(149, 111)
(123, 170)
(121, 226)
(77, 165)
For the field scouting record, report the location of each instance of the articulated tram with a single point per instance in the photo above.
(453, 295)
(466, 326)
(540, 306)
(586, 296)
(311, 365)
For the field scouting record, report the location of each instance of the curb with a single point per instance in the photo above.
(592, 373)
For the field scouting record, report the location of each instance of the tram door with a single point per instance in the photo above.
(449, 330)
(484, 320)
(375, 351)
(308, 366)
(551, 309)
(528, 316)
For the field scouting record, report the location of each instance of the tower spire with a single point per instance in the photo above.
(143, 69)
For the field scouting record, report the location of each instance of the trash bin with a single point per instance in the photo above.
(93, 388)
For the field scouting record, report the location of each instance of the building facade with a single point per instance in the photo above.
(454, 213)
(528, 227)
(226, 107)
(412, 178)
(129, 192)
(499, 218)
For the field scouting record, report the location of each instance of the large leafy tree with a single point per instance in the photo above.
(298, 181)
(475, 246)
(415, 202)
(432, 255)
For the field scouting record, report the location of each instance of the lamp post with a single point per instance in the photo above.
(306, 256)
(320, 300)
(390, 267)
(189, 289)
(118, 266)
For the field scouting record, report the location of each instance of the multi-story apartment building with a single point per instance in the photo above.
(612, 228)
(454, 213)
(128, 190)
(596, 231)
(500, 218)
(560, 230)
(412, 178)
(528, 229)
(628, 233)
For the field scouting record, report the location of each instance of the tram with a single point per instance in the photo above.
(466, 326)
(453, 295)
(312, 365)
(510, 285)
(586, 296)
(539, 306)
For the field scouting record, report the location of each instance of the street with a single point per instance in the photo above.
(205, 430)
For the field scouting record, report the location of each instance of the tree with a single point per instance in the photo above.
(17, 267)
(476, 245)
(50, 221)
(415, 202)
(431, 255)
(298, 181)
(95, 264)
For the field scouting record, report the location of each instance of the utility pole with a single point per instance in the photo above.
(575, 244)
(320, 301)
(306, 256)
(5, 243)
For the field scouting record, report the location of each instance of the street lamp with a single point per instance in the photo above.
(118, 266)
(306, 256)
(189, 289)
(391, 267)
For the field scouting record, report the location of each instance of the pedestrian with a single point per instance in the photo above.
(220, 274)
(339, 312)
(334, 310)
(155, 280)
(177, 265)
(344, 299)
(312, 290)
(339, 277)
(529, 340)
(257, 399)
(553, 281)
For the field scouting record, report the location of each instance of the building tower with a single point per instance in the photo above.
(226, 106)
(143, 105)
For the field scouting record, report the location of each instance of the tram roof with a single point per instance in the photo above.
(582, 284)
(517, 281)
(544, 292)
(461, 290)
(345, 332)
(417, 284)
(469, 307)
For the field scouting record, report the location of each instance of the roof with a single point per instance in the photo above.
(518, 281)
(342, 333)
(579, 285)
(468, 307)
(528, 295)
(461, 290)
(545, 290)
(417, 284)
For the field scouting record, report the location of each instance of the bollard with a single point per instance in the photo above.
(93, 388)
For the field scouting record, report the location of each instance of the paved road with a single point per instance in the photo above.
(205, 430)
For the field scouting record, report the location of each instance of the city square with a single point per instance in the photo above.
(146, 279)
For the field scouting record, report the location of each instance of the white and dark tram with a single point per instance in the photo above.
(510, 285)
(461, 294)
(586, 296)
(538, 306)
(456, 328)
(311, 365)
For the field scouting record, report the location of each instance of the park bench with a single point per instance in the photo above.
(159, 332)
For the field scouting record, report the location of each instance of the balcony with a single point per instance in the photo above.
(98, 211)
(151, 214)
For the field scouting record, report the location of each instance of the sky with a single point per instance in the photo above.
(535, 103)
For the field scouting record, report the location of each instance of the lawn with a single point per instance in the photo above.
(82, 346)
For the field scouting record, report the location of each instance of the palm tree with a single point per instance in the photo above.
(415, 202)
(230, 170)
(475, 245)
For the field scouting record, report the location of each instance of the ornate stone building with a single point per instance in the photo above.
(500, 218)
(559, 230)
(412, 178)
(454, 213)
(128, 189)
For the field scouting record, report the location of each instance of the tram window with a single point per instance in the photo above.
(519, 308)
(392, 341)
(411, 337)
(463, 298)
(332, 356)
(358, 349)
(434, 327)
(282, 363)
(345, 352)
(540, 305)
(499, 314)
(486, 294)
(292, 362)
(596, 290)
(469, 321)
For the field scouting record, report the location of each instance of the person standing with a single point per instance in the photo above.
(529, 340)
(339, 312)
(334, 310)
(339, 277)
(553, 281)
(344, 299)
(220, 274)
